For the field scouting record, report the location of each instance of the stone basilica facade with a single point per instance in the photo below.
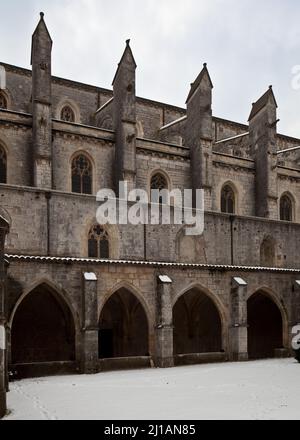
(85, 297)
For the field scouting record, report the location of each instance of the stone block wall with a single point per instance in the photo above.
(58, 224)
(141, 281)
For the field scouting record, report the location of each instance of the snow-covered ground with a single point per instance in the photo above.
(253, 390)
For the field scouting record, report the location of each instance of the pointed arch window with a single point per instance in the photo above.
(3, 166)
(227, 200)
(67, 114)
(286, 208)
(98, 246)
(159, 182)
(3, 101)
(82, 175)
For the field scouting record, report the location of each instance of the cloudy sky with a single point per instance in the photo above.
(248, 45)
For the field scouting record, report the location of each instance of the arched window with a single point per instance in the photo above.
(3, 166)
(67, 114)
(286, 208)
(159, 182)
(227, 200)
(98, 242)
(82, 175)
(3, 101)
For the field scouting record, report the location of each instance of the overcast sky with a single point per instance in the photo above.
(248, 45)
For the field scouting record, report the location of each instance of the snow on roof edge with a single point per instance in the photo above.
(71, 260)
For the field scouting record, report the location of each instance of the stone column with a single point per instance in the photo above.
(263, 141)
(90, 324)
(238, 322)
(295, 304)
(124, 103)
(164, 328)
(199, 134)
(2, 369)
(4, 228)
(41, 106)
(294, 311)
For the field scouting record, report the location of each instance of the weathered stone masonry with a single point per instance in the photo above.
(161, 298)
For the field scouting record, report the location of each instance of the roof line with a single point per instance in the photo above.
(287, 137)
(69, 260)
(139, 98)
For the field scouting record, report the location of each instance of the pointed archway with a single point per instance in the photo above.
(42, 329)
(197, 324)
(123, 327)
(265, 326)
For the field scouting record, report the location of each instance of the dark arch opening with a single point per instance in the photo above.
(159, 183)
(67, 114)
(82, 175)
(286, 208)
(123, 327)
(265, 329)
(98, 242)
(43, 329)
(197, 324)
(3, 165)
(227, 200)
(3, 101)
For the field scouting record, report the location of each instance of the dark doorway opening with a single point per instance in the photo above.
(197, 324)
(106, 347)
(264, 327)
(123, 327)
(43, 329)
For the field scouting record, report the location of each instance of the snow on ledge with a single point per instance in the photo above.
(90, 276)
(164, 279)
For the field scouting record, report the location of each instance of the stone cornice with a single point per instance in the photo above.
(78, 131)
(16, 119)
(235, 167)
(289, 177)
(162, 154)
